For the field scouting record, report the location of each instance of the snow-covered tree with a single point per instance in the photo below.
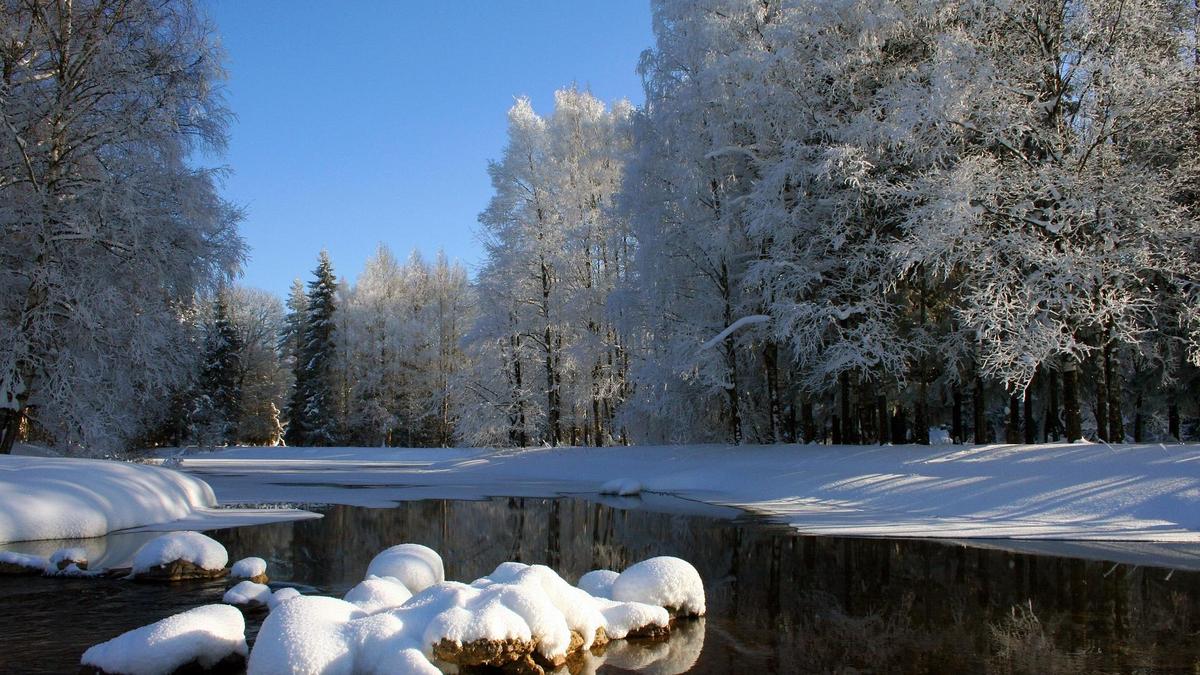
(313, 414)
(216, 409)
(109, 231)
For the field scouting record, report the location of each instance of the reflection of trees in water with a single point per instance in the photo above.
(783, 602)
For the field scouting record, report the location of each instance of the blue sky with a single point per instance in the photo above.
(367, 122)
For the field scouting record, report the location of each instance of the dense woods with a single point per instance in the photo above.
(856, 221)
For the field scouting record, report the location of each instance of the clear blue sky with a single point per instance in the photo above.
(367, 122)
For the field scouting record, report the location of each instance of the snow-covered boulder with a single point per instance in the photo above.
(664, 581)
(633, 619)
(377, 594)
(248, 595)
(59, 498)
(204, 638)
(64, 558)
(305, 635)
(417, 567)
(598, 583)
(17, 564)
(282, 595)
(180, 556)
(254, 569)
(624, 487)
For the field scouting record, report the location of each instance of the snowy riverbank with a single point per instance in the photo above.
(57, 498)
(1092, 492)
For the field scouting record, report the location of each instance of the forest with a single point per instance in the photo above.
(845, 222)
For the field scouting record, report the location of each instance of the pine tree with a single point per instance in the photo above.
(217, 406)
(318, 423)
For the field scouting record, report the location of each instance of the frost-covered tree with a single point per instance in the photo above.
(257, 317)
(217, 405)
(313, 413)
(109, 230)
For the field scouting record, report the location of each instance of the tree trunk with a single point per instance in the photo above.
(921, 415)
(774, 418)
(981, 435)
(881, 406)
(899, 426)
(837, 431)
(1116, 414)
(1030, 426)
(1139, 423)
(1074, 421)
(1050, 429)
(847, 421)
(1173, 421)
(806, 420)
(1012, 431)
(10, 426)
(1101, 412)
(957, 433)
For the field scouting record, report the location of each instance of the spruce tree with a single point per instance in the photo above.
(215, 416)
(291, 344)
(315, 375)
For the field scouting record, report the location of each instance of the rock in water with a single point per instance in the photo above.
(206, 639)
(180, 556)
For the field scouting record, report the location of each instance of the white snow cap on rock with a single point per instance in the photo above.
(624, 487)
(248, 593)
(205, 635)
(598, 583)
(377, 594)
(664, 581)
(72, 554)
(248, 568)
(282, 595)
(417, 567)
(193, 547)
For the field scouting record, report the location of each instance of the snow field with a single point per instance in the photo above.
(205, 635)
(203, 552)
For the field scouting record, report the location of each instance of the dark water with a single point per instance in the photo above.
(777, 602)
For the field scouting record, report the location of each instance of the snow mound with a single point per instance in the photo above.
(282, 595)
(598, 583)
(248, 593)
(417, 567)
(29, 562)
(248, 568)
(204, 635)
(68, 556)
(59, 498)
(623, 618)
(193, 547)
(312, 634)
(623, 487)
(664, 581)
(559, 604)
(377, 594)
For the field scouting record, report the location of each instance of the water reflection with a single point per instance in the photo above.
(777, 602)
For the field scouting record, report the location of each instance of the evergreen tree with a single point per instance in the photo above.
(291, 343)
(315, 385)
(217, 406)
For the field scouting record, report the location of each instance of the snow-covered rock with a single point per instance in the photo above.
(376, 594)
(204, 636)
(60, 498)
(12, 563)
(65, 557)
(623, 487)
(254, 569)
(180, 555)
(417, 567)
(282, 595)
(248, 595)
(598, 583)
(664, 581)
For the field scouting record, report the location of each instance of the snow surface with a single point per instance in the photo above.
(376, 594)
(248, 593)
(417, 567)
(25, 560)
(61, 498)
(205, 634)
(248, 568)
(598, 583)
(282, 595)
(193, 547)
(1133, 493)
(664, 581)
(74, 554)
(623, 487)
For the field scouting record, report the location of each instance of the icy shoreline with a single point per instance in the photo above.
(1073, 492)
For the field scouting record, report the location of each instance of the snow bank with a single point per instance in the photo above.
(205, 635)
(248, 568)
(663, 581)
(598, 583)
(282, 595)
(417, 567)
(248, 594)
(32, 563)
(58, 498)
(203, 552)
(623, 487)
(376, 594)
